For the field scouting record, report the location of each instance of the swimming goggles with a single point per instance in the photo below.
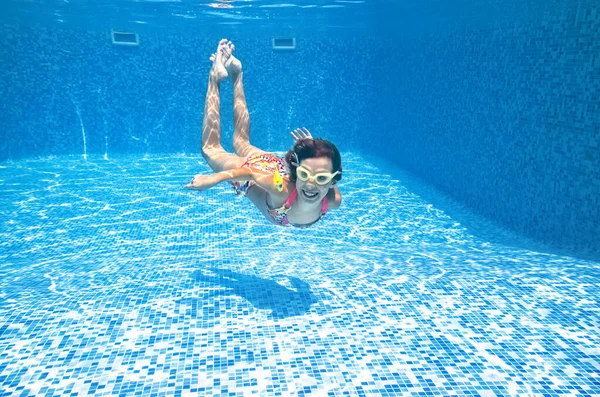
(321, 178)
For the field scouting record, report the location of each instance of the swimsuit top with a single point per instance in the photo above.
(279, 215)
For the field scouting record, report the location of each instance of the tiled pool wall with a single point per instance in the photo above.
(150, 98)
(506, 119)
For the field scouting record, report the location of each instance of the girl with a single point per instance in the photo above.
(295, 190)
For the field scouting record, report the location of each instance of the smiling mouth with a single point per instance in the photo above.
(310, 194)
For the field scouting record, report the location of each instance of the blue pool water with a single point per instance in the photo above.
(463, 261)
(116, 281)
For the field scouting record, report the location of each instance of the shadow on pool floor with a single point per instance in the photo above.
(263, 294)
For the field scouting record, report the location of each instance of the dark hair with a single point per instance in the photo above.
(313, 148)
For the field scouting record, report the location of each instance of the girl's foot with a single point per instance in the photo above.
(231, 63)
(218, 71)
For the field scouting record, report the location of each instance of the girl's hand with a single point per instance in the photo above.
(202, 182)
(301, 133)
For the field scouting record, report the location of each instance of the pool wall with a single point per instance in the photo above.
(506, 119)
(61, 84)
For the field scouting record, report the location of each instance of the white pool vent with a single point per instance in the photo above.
(125, 38)
(284, 43)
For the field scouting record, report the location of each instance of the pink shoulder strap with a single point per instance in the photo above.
(291, 198)
(324, 205)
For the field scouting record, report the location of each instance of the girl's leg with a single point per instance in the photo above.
(214, 154)
(241, 118)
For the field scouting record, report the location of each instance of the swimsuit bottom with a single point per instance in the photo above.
(267, 162)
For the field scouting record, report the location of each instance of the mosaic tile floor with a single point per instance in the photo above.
(115, 281)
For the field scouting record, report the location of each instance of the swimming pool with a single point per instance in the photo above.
(464, 259)
(116, 281)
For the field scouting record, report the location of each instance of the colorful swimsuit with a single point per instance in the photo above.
(279, 215)
(269, 162)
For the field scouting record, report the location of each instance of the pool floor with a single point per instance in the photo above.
(114, 280)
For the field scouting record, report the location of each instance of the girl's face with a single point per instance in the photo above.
(313, 170)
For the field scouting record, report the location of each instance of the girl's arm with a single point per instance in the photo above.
(334, 197)
(262, 179)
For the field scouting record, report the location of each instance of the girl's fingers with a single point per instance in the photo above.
(301, 133)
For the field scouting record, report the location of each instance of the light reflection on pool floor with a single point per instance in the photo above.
(115, 280)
